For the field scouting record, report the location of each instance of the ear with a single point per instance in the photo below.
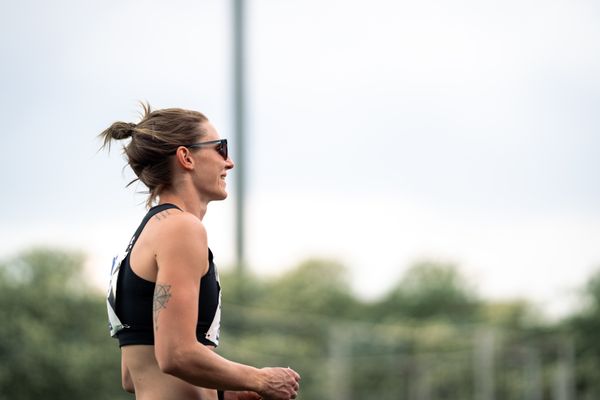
(184, 159)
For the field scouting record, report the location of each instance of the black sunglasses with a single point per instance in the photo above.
(221, 146)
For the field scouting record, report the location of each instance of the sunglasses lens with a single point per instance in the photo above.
(222, 149)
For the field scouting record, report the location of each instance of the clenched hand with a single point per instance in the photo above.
(280, 384)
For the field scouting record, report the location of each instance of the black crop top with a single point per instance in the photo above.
(134, 299)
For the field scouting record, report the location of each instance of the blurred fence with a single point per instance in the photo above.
(414, 361)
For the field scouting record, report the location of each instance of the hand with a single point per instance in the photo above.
(280, 384)
(229, 395)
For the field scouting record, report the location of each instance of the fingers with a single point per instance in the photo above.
(295, 385)
(293, 373)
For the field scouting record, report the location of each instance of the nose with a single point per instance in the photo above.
(229, 163)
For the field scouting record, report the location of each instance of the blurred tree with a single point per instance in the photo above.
(430, 290)
(585, 326)
(54, 338)
(315, 286)
(511, 314)
(414, 343)
(286, 320)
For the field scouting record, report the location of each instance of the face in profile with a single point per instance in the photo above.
(211, 154)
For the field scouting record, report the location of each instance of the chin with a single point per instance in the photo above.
(221, 196)
(217, 196)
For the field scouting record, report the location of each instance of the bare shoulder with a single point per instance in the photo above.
(177, 224)
(181, 243)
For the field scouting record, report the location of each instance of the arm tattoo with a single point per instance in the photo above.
(162, 294)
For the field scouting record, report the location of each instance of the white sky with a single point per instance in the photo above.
(380, 132)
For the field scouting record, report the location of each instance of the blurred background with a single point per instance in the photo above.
(421, 190)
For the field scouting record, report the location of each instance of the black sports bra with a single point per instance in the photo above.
(134, 299)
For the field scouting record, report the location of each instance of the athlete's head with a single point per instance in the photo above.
(154, 140)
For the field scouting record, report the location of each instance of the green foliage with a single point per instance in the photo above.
(512, 314)
(54, 336)
(315, 286)
(585, 326)
(430, 290)
(285, 321)
(421, 340)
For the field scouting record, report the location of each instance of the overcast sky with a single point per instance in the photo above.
(380, 132)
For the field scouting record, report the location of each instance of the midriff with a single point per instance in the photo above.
(152, 384)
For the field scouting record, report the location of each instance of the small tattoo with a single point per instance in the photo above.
(162, 294)
(162, 215)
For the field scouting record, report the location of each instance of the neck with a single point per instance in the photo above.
(187, 203)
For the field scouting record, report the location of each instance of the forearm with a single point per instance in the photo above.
(201, 366)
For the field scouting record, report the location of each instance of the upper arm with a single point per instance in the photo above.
(182, 259)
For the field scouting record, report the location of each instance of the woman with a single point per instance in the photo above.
(166, 294)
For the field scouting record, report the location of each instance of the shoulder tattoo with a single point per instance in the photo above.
(162, 215)
(162, 294)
